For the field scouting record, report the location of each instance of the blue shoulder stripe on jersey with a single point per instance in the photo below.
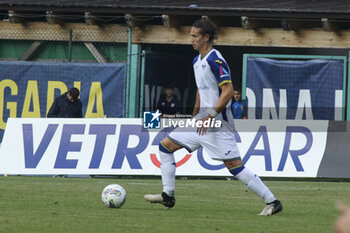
(195, 59)
(219, 68)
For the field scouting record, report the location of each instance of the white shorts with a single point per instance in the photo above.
(220, 145)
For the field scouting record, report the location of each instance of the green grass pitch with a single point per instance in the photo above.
(47, 204)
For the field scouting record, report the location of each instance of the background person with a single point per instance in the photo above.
(237, 106)
(67, 105)
(168, 103)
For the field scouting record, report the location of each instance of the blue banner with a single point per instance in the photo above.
(27, 89)
(295, 89)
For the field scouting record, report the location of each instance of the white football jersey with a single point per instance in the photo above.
(210, 73)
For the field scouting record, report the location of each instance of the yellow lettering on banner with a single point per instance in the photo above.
(51, 86)
(77, 84)
(12, 106)
(95, 96)
(32, 95)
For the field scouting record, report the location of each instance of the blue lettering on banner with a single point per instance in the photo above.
(130, 153)
(161, 135)
(67, 145)
(33, 155)
(101, 132)
(295, 153)
(32, 159)
(237, 137)
(266, 152)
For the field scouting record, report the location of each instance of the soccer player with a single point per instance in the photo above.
(213, 100)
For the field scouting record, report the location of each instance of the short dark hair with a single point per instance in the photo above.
(237, 89)
(169, 85)
(74, 92)
(207, 27)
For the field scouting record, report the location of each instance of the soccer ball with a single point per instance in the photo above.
(113, 196)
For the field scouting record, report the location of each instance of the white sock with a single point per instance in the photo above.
(254, 183)
(167, 169)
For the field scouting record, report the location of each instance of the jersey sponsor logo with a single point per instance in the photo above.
(223, 72)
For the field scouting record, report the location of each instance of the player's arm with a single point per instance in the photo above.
(225, 97)
(222, 75)
(196, 105)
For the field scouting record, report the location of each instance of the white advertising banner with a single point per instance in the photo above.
(123, 147)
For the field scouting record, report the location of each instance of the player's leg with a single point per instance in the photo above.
(254, 183)
(167, 167)
(177, 139)
(222, 146)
